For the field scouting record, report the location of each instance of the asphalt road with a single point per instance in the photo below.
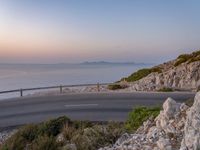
(93, 106)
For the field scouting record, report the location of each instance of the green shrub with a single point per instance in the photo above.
(19, 140)
(44, 143)
(195, 56)
(142, 73)
(139, 115)
(196, 53)
(30, 133)
(69, 132)
(75, 128)
(114, 131)
(116, 86)
(97, 136)
(81, 124)
(179, 61)
(4, 147)
(184, 56)
(165, 89)
(53, 127)
(194, 59)
(156, 69)
(16, 142)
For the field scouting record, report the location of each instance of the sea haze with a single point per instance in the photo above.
(16, 76)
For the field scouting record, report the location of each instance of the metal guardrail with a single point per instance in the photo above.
(60, 87)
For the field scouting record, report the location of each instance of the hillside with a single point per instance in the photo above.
(183, 73)
(175, 128)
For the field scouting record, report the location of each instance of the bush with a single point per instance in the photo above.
(139, 115)
(179, 61)
(184, 56)
(114, 131)
(30, 133)
(116, 87)
(86, 135)
(97, 136)
(195, 56)
(44, 143)
(142, 73)
(81, 124)
(196, 53)
(19, 140)
(194, 59)
(53, 127)
(69, 132)
(165, 89)
(16, 142)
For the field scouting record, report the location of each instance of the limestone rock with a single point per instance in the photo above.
(170, 108)
(191, 139)
(183, 77)
(164, 144)
(163, 133)
(60, 138)
(69, 147)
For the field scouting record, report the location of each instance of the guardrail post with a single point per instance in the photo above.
(98, 87)
(61, 89)
(21, 92)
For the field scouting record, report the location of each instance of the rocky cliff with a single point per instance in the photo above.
(176, 127)
(182, 73)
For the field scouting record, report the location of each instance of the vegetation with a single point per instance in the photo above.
(86, 135)
(139, 115)
(181, 59)
(141, 74)
(116, 86)
(165, 89)
(195, 56)
(97, 136)
(44, 143)
(37, 137)
(189, 58)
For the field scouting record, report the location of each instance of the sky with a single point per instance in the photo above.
(64, 31)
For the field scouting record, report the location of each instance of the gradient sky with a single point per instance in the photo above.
(54, 31)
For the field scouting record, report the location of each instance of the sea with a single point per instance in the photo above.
(20, 76)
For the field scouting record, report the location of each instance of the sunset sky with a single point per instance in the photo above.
(55, 31)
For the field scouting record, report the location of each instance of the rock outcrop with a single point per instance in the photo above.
(191, 140)
(183, 77)
(182, 73)
(176, 127)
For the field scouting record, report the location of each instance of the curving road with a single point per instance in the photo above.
(88, 106)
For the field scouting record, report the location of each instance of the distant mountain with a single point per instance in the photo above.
(111, 63)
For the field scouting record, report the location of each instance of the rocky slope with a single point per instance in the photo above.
(176, 127)
(182, 73)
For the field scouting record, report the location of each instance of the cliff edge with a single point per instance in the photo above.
(182, 74)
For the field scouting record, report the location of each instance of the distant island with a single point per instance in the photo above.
(81, 63)
(112, 63)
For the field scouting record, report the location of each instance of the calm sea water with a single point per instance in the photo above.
(28, 76)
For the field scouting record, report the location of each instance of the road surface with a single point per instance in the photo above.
(93, 106)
